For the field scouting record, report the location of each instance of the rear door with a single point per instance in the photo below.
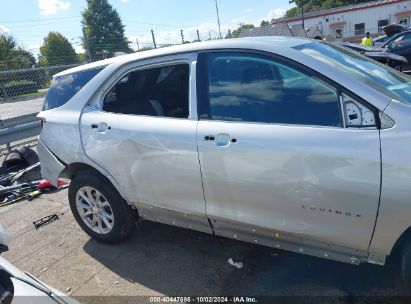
(283, 150)
(141, 130)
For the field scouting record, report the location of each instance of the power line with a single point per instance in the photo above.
(38, 20)
(71, 19)
(158, 24)
(36, 24)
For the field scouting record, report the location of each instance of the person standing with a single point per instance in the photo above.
(367, 40)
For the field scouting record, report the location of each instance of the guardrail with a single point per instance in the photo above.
(19, 128)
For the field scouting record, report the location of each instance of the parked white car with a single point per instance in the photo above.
(291, 143)
(21, 287)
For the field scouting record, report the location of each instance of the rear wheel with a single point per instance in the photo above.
(406, 265)
(99, 209)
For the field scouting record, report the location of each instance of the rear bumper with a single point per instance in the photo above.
(51, 167)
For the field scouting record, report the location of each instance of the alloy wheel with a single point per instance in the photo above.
(95, 210)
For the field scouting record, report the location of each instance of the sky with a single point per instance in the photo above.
(29, 21)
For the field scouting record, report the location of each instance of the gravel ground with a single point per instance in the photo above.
(163, 260)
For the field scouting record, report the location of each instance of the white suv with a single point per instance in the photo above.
(291, 143)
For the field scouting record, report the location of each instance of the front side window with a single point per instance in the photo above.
(159, 91)
(252, 88)
(400, 41)
(369, 72)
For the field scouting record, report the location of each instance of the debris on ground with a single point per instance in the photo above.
(15, 168)
(238, 265)
(45, 221)
(20, 158)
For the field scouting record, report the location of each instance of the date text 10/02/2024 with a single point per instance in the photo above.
(203, 300)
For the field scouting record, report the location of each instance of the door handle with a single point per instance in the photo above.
(101, 127)
(221, 140)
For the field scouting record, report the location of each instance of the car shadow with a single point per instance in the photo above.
(176, 262)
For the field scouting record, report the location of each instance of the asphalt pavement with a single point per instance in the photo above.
(20, 108)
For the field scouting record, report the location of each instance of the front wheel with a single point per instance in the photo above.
(99, 209)
(406, 265)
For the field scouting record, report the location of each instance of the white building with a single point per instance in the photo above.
(352, 22)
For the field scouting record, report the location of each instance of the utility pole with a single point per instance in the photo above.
(218, 19)
(182, 36)
(302, 10)
(138, 45)
(302, 13)
(198, 35)
(154, 39)
(85, 38)
(209, 33)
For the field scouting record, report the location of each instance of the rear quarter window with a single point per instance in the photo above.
(63, 88)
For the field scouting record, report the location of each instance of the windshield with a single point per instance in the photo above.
(386, 80)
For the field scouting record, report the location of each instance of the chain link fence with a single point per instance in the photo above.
(21, 96)
(17, 85)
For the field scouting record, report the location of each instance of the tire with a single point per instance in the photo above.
(28, 154)
(406, 265)
(118, 215)
(14, 162)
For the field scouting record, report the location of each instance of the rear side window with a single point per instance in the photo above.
(159, 91)
(63, 88)
(252, 88)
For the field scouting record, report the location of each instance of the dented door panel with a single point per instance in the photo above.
(319, 183)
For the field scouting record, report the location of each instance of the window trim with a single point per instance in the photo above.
(203, 102)
(156, 62)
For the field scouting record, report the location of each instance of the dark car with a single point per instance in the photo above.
(400, 44)
(390, 31)
(395, 52)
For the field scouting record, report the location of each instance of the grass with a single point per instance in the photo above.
(23, 97)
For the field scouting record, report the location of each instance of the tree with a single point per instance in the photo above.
(82, 58)
(13, 57)
(236, 33)
(265, 23)
(57, 50)
(292, 12)
(103, 30)
(315, 5)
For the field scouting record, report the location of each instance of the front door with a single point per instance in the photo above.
(142, 133)
(276, 154)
